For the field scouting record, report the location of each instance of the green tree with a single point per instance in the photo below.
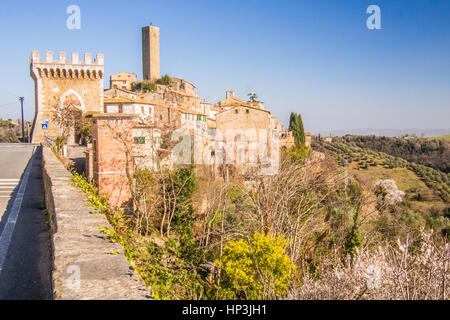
(164, 80)
(296, 126)
(353, 240)
(252, 97)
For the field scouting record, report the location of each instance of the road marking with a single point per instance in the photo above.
(5, 237)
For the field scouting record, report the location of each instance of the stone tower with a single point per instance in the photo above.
(60, 83)
(150, 53)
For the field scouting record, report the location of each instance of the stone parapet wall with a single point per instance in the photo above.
(85, 264)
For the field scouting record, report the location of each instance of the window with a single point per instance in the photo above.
(236, 111)
(120, 108)
(248, 111)
(139, 140)
(105, 109)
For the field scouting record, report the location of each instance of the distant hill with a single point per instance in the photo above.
(385, 132)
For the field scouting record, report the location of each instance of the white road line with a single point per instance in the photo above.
(5, 237)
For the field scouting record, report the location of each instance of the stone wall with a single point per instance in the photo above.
(85, 264)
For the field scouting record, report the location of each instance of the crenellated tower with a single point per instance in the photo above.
(60, 82)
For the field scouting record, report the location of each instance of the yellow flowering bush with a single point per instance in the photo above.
(256, 269)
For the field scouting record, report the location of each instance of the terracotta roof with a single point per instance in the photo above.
(183, 81)
(234, 104)
(232, 101)
(183, 110)
(124, 90)
(129, 100)
(248, 106)
(114, 115)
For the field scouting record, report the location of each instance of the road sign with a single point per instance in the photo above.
(44, 126)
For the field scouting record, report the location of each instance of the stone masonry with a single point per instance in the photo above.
(61, 83)
(80, 251)
(150, 53)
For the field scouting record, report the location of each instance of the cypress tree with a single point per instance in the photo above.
(296, 126)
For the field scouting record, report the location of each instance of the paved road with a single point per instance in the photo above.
(25, 251)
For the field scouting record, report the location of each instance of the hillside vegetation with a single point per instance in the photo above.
(9, 132)
(431, 152)
(330, 225)
(300, 234)
(379, 164)
(445, 138)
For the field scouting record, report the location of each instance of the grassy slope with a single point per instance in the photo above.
(405, 179)
(446, 138)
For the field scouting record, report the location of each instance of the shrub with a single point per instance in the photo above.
(164, 80)
(143, 86)
(259, 269)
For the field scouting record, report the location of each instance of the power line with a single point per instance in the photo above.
(7, 104)
(12, 94)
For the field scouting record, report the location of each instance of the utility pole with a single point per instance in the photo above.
(28, 132)
(23, 127)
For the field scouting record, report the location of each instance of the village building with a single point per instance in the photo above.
(120, 93)
(145, 109)
(110, 159)
(134, 122)
(122, 80)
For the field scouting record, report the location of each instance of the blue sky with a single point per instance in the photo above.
(317, 57)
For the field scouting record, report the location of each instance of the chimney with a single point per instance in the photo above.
(230, 94)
